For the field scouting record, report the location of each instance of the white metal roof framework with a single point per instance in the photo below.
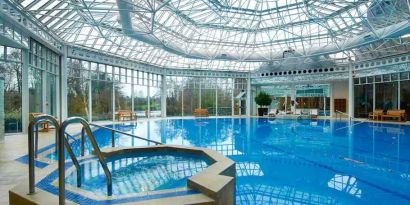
(237, 35)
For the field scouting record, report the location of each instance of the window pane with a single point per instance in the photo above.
(123, 97)
(386, 96)
(11, 72)
(77, 98)
(363, 100)
(101, 100)
(405, 97)
(155, 102)
(140, 100)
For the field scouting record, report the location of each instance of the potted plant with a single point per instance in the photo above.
(263, 100)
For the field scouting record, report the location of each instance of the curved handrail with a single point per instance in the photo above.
(128, 134)
(349, 116)
(32, 152)
(61, 163)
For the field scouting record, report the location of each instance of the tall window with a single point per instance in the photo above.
(43, 72)
(386, 95)
(78, 88)
(101, 95)
(174, 96)
(363, 100)
(140, 100)
(10, 70)
(405, 97)
(155, 102)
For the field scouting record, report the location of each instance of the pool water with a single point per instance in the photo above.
(294, 161)
(136, 173)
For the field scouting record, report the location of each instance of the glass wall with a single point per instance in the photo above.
(140, 100)
(107, 82)
(35, 86)
(101, 95)
(363, 100)
(224, 94)
(174, 96)
(78, 88)
(386, 95)
(392, 91)
(43, 73)
(185, 94)
(10, 70)
(405, 97)
(155, 102)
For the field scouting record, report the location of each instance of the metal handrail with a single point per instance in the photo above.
(32, 151)
(61, 157)
(113, 131)
(349, 116)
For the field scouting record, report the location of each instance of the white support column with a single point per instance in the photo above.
(398, 95)
(113, 101)
(45, 104)
(163, 96)
(132, 94)
(374, 95)
(148, 96)
(63, 113)
(232, 97)
(332, 105)
(292, 98)
(248, 97)
(351, 92)
(90, 102)
(216, 101)
(182, 101)
(25, 92)
(200, 94)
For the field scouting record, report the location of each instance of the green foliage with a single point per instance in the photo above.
(263, 99)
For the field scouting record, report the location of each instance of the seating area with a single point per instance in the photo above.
(299, 114)
(199, 112)
(400, 115)
(123, 115)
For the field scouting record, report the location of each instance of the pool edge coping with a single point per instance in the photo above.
(215, 184)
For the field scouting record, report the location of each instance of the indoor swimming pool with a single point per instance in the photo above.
(283, 161)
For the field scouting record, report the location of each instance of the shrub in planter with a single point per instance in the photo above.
(263, 100)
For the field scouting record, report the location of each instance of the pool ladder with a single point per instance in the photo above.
(61, 142)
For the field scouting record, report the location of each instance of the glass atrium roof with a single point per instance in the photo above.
(237, 35)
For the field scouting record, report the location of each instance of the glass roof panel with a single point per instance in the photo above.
(213, 34)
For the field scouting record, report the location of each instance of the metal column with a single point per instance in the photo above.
(163, 96)
(351, 92)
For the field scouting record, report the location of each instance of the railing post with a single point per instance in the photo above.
(36, 143)
(31, 177)
(112, 138)
(82, 142)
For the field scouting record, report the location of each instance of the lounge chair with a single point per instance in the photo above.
(199, 112)
(375, 115)
(44, 124)
(313, 113)
(298, 111)
(399, 114)
(122, 115)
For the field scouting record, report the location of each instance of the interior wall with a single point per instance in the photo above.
(340, 91)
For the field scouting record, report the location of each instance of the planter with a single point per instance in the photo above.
(262, 111)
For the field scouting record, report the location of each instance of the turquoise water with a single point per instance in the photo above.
(135, 173)
(294, 161)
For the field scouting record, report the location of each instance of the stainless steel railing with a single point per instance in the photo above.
(61, 157)
(113, 131)
(340, 113)
(33, 145)
(62, 142)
